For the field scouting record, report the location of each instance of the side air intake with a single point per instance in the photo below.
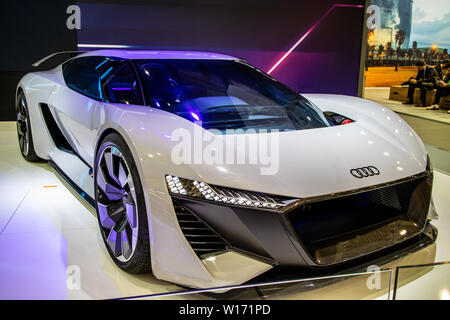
(202, 238)
(55, 132)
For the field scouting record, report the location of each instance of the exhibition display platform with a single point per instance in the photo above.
(52, 249)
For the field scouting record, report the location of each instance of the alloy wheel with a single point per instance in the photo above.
(116, 203)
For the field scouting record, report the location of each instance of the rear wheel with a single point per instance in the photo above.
(120, 206)
(24, 129)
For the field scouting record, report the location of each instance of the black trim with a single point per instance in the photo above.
(138, 77)
(201, 237)
(302, 201)
(339, 229)
(58, 137)
(226, 245)
(335, 119)
(73, 185)
(270, 234)
(55, 59)
(277, 280)
(429, 167)
(254, 232)
(55, 132)
(381, 258)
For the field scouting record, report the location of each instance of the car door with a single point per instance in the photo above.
(90, 83)
(74, 102)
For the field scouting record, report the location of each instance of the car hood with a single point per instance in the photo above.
(318, 161)
(304, 163)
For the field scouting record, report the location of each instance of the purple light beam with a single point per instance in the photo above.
(311, 29)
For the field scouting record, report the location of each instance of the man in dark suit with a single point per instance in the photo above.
(443, 88)
(426, 79)
(440, 68)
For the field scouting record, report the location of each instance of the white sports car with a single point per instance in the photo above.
(344, 179)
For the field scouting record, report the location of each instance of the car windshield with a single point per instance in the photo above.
(225, 94)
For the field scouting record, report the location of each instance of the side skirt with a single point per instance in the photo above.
(66, 161)
(73, 185)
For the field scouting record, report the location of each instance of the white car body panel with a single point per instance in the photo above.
(319, 163)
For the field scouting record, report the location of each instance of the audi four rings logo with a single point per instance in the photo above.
(365, 172)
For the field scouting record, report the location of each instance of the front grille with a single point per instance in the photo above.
(339, 229)
(201, 237)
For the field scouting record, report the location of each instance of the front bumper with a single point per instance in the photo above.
(317, 232)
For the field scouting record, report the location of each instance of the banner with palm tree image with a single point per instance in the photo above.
(403, 32)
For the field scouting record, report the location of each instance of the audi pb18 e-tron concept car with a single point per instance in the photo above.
(352, 180)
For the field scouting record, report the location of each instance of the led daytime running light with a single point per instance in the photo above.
(201, 190)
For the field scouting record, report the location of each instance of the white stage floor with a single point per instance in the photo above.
(49, 238)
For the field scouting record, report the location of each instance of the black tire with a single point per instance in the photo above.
(24, 133)
(139, 260)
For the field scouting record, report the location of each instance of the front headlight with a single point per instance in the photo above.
(203, 191)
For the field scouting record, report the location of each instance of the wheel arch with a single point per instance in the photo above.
(121, 133)
(19, 89)
(102, 137)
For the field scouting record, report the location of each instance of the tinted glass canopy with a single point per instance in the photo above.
(225, 94)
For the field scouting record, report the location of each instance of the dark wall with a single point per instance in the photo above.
(29, 31)
(260, 31)
(327, 61)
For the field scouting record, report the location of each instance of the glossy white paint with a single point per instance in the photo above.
(311, 162)
(43, 231)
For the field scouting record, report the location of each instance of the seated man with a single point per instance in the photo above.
(443, 88)
(440, 68)
(426, 79)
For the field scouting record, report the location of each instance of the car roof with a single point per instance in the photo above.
(157, 54)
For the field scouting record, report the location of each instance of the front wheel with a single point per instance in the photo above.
(120, 206)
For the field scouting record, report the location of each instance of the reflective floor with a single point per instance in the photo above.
(51, 247)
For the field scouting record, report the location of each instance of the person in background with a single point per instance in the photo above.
(426, 79)
(443, 88)
(440, 68)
